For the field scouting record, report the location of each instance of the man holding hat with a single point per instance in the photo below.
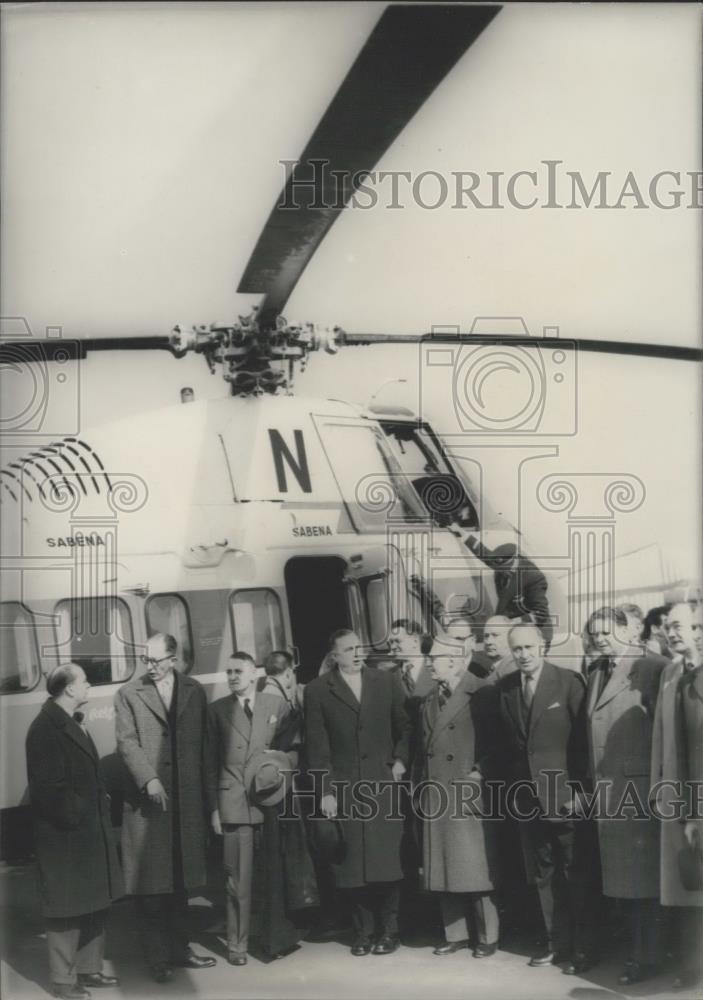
(244, 775)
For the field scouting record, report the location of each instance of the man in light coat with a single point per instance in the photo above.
(79, 874)
(161, 727)
(243, 723)
(677, 756)
(357, 731)
(458, 734)
(622, 693)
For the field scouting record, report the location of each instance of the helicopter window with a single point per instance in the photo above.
(257, 623)
(449, 594)
(369, 476)
(96, 633)
(19, 653)
(355, 609)
(169, 613)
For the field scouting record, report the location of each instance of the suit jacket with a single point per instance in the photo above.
(144, 743)
(551, 738)
(353, 742)
(76, 856)
(620, 721)
(460, 737)
(232, 740)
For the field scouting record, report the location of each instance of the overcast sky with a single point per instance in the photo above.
(141, 156)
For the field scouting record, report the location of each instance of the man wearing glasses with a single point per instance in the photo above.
(161, 725)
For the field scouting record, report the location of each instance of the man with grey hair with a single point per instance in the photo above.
(79, 873)
(161, 728)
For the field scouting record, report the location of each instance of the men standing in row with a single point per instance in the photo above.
(542, 712)
(622, 695)
(357, 730)
(677, 756)
(79, 875)
(161, 726)
(242, 724)
(458, 732)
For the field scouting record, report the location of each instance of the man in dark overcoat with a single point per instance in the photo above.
(677, 761)
(79, 874)
(623, 686)
(357, 731)
(542, 712)
(161, 728)
(458, 748)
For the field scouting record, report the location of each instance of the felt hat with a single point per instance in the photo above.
(267, 777)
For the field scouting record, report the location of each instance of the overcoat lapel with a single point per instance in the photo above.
(512, 702)
(184, 689)
(152, 699)
(238, 719)
(262, 709)
(72, 729)
(340, 689)
(619, 679)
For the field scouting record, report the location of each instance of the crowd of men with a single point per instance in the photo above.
(446, 772)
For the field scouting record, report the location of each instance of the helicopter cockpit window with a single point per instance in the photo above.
(96, 633)
(445, 492)
(369, 477)
(376, 600)
(257, 623)
(19, 654)
(447, 594)
(168, 613)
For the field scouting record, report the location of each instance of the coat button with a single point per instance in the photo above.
(450, 756)
(364, 756)
(450, 726)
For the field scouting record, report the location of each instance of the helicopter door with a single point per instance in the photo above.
(318, 605)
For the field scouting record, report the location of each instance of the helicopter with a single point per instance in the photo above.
(241, 522)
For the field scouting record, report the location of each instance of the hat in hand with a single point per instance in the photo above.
(327, 840)
(267, 777)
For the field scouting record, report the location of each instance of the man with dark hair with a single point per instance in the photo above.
(161, 727)
(462, 630)
(406, 642)
(357, 730)
(79, 874)
(542, 709)
(243, 723)
(281, 677)
(654, 631)
(622, 694)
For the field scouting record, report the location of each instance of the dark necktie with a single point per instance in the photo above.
(606, 669)
(443, 694)
(247, 709)
(528, 691)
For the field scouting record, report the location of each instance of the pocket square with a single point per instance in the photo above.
(555, 704)
(272, 720)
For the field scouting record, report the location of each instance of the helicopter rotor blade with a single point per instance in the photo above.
(671, 352)
(61, 349)
(409, 52)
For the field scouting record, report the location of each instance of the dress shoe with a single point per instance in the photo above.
(192, 961)
(386, 945)
(449, 947)
(70, 991)
(96, 980)
(162, 973)
(361, 947)
(236, 958)
(542, 958)
(637, 972)
(579, 964)
(483, 950)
